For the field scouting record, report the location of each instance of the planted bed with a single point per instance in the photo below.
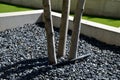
(23, 56)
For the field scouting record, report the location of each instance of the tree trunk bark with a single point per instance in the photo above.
(49, 32)
(76, 29)
(63, 28)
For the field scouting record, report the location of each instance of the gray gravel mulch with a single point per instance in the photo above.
(23, 56)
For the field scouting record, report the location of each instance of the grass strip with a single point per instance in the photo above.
(10, 8)
(103, 20)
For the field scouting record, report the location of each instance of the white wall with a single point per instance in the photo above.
(108, 8)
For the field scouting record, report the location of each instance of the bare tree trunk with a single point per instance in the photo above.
(49, 32)
(76, 29)
(63, 28)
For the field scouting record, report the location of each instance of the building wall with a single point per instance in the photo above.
(107, 8)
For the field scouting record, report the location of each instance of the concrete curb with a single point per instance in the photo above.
(16, 19)
(103, 33)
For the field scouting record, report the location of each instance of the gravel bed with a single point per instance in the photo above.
(23, 56)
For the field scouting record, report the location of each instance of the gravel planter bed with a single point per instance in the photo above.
(23, 56)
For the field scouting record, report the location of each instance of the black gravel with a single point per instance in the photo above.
(23, 56)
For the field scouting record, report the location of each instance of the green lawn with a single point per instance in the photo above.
(108, 21)
(10, 8)
(103, 20)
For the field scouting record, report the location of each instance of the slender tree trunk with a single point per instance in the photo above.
(63, 28)
(49, 32)
(76, 29)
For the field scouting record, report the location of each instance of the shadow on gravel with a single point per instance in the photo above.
(22, 66)
(46, 68)
(30, 69)
(101, 45)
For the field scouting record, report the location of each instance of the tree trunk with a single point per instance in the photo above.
(63, 28)
(76, 29)
(49, 32)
